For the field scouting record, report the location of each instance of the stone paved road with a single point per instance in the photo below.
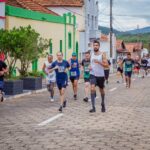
(125, 125)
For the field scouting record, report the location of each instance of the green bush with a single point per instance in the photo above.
(36, 74)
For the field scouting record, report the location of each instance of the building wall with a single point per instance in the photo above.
(105, 46)
(2, 15)
(91, 21)
(77, 11)
(49, 30)
(87, 21)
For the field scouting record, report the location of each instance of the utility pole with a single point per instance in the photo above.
(111, 34)
(111, 29)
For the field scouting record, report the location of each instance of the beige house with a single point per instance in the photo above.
(60, 30)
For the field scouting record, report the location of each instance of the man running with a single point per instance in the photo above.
(50, 77)
(148, 65)
(97, 76)
(136, 66)
(144, 63)
(107, 71)
(60, 66)
(128, 62)
(119, 69)
(74, 73)
(86, 69)
(3, 70)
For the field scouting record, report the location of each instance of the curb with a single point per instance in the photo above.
(25, 94)
(36, 91)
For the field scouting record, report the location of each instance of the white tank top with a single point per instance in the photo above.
(51, 76)
(97, 69)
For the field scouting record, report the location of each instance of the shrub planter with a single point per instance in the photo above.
(32, 83)
(13, 87)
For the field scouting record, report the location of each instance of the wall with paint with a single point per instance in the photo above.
(57, 30)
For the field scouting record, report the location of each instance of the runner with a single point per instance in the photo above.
(129, 62)
(74, 73)
(3, 70)
(85, 65)
(148, 65)
(97, 76)
(106, 71)
(119, 69)
(144, 63)
(136, 66)
(60, 66)
(50, 77)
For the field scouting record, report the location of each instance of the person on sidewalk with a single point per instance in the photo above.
(97, 76)
(129, 64)
(3, 70)
(60, 66)
(50, 76)
(119, 69)
(74, 73)
(107, 71)
(144, 63)
(148, 65)
(136, 67)
(86, 74)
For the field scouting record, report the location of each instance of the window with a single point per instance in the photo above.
(69, 40)
(92, 22)
(35, 65)
(50, 47)
(60, 45)
(95, 22)
(77, 48)
(14, 72)
(88, 20)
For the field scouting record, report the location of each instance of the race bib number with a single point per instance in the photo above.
(51, 76)
(86, 69)
(129, 69)
(61, 69)
(73, 73)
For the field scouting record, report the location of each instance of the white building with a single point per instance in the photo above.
(2, 14)
(105, 45)
(86, 12)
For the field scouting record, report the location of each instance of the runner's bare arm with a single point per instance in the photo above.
(43, 68)
(104, 61)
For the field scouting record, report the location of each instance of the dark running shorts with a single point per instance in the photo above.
(97, 81)
(62, 84)
(128, 74)
(86, 79)
(73, 79)
(120, 70)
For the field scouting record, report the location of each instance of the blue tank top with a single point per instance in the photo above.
(74, 71)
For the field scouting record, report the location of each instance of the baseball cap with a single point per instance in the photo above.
(74, 54)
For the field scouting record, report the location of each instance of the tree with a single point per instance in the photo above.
(8, 46)
(32, 47)
(23, 44)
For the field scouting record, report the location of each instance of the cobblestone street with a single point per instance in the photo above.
(125, 125)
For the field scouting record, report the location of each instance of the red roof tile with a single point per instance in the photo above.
(30, 5)
(57, 3)
(131, 47)
(118, 44)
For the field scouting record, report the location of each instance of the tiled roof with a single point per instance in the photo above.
(118, 44)
(57, 3)
(30, 5)
(131, 47)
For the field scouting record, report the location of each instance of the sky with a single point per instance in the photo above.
(127, 14)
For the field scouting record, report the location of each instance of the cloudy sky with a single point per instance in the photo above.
(127, 14)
